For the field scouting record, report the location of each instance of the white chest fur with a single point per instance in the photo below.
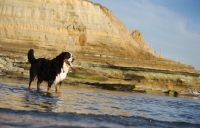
(62, 75)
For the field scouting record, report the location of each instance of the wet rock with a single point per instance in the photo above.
(140, 90)
(166, 91)
(9, 69)
(108, 86)
(171, 92)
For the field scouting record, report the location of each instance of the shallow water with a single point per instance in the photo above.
(86, 106)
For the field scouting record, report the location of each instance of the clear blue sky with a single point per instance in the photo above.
(170, 25)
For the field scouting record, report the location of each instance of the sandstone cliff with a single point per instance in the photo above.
(60, 25)
(89, 30)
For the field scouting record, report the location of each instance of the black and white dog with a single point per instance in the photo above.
(52, 71)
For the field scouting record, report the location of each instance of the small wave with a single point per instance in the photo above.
(23, 118)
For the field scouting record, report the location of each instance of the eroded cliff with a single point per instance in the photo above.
(89, 30)
(59, 25)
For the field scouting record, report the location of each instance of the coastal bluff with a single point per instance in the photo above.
(90, 31)
(87, 29)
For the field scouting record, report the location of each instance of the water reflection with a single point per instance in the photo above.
(40, 101)
(82, 99)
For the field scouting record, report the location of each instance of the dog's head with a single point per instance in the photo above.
(67, 57)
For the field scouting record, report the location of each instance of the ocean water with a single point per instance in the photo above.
(86, 106)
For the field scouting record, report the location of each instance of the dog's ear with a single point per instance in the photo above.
(60, 57)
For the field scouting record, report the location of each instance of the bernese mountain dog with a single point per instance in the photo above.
(52, 71)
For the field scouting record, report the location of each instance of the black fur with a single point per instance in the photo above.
(44, 69)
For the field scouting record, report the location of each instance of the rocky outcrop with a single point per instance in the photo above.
(11, 66)
(110, 77)
(137, 36)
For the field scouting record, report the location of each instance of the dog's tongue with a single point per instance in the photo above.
(70, 64)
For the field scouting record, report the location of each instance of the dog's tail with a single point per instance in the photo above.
(31, 57)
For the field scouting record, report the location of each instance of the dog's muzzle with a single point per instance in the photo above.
(70, 63)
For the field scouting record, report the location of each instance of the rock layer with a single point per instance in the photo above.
(74, 25)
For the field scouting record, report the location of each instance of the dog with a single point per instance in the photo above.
(52, 71)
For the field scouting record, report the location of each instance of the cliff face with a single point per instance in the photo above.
(87, 29)
(72, 25)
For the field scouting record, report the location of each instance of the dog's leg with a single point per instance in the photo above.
(30, 82)
(32, 76)
(50, 82)
(48, 89)
(39, 83)
(58, 88)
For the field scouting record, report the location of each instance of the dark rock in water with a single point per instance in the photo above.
(140, 90)
(118, 87)
(172, 92)
(166, 91)
(175, 93)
